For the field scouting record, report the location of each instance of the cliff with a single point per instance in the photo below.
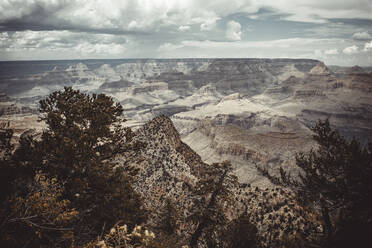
(169, 170)
(248, 102)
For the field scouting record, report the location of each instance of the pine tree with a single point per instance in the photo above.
(7, 171)
(337, 179)
(240, 233)
(83, 136)
(214, 187)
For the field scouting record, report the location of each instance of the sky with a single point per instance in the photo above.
(338, 32)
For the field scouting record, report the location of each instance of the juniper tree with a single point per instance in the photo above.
(240, 233)
(83, 135)
(7, 171)
(215, 190)
(337, 179)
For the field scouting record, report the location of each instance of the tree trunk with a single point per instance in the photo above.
(199, 230)
(327, 220)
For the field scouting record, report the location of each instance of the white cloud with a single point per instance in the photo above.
(145, 15)
(310, 48)
(150, 27)
(362, 36)
(166, 47)
(318, 53)
(65, 41)
(319, 11)
(233, 31)
(368, 46)
(99, 48)
(209, 24)
(280, 44)
(331, 52)
(351, 50)
(184, 28)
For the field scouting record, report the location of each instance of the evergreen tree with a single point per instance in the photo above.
(7, 171)
(166, 226)
(214, 188)
(83, 136)
(240, 233)
(337, 179)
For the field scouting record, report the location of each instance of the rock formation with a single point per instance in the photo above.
(254, 112)
(169, 170)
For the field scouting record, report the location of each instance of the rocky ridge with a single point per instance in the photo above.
(169, 169)
(250, 111)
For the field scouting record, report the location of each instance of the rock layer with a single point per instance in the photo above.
(254, 112)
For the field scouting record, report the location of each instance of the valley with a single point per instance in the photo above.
(253, 112)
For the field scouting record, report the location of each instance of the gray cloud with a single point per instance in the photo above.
(351, 50)
(328, 30)
(131, 15)
(331, 52)
(368, 46)
(362, 36)
(184, 28)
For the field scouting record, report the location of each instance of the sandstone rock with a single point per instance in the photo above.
(169, 169)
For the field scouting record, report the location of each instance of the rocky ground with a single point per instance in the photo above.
(170, 169)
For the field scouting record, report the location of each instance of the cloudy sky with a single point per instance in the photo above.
(334, 31)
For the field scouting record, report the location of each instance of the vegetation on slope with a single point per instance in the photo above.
(336, 180)
(73, 158)
(66, 190)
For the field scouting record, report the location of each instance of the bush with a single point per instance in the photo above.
(119, 237)
(41, 218)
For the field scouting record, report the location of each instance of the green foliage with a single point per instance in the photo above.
(337, 178)
(214, 188)
(7, 171)
(84, 133)
(213, 227)
(240, 233)
(5, 144)
(168, 219)
(42, 218)
(120, 237)
(339, 171)
(86, 128)
(78, 150)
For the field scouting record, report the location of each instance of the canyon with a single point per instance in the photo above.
(252, 112)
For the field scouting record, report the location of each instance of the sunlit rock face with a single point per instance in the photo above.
(254, 112)
(169, 171)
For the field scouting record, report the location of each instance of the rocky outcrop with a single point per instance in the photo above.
(9, 106)
(77, 67)
(320, 69)
(358, 80)
(355, 70)
(169, 169)
(15, 109)
(277, 90)
(115, 85)
(147, 87)
(308, 93)
(163, 125)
